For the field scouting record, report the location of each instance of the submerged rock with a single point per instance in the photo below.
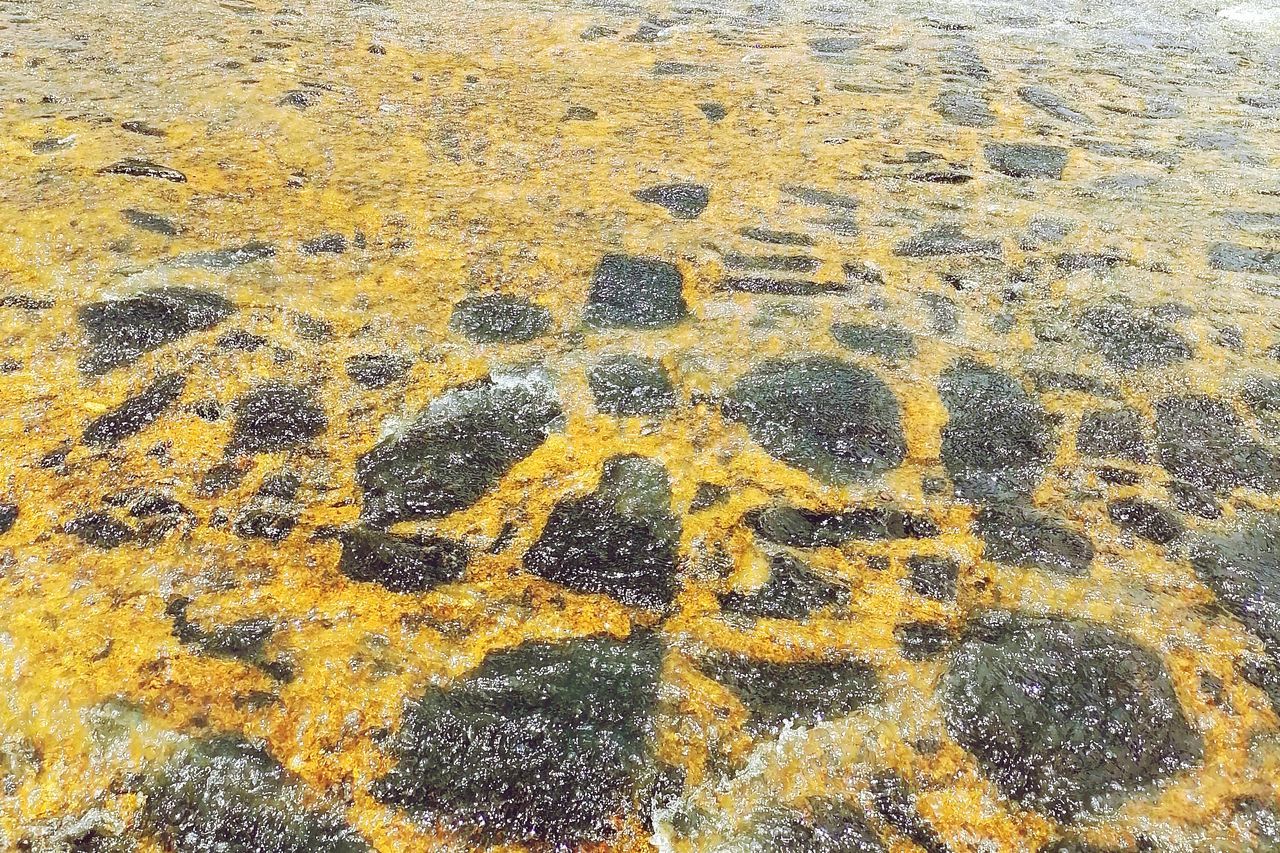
(1023, 160)
(545, 742)
(414, 563)
(135, 167)
(136, 413)
(225, 795)
(997, 441)
(1053, 104)
(119, 331)
(456, 450)
(819, 825)
(631, 386)
(796, 527)
(1230, 257)
(793, 591)
(228, 258)
(1130, 340)
(275, 416)
(1143, 518)
(377, 370)
(801, 693)
(944, 240)
(1065, 717)
(890, 342)
(100, 530)
(896, 803)
(1242, 567)
(498, 318)
(622, 540)
(683, 201)
(631, 292)
(965, 108)
(1025, 537)
(933, 577)
(153, 222)
(8, 516)
(833, 419)
(1114, 433)
(1203, 441)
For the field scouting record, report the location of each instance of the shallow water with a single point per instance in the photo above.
(826, 426)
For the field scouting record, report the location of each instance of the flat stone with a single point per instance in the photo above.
(1112, 433)
(920, 641)
(965, 108)
(1050, 102)
(795, 527)
(1132, 340)
(1145, 519)
(119, 331)
(272, 525)
(771, 263)
(415, 563)
(1065, 717)
(224, 795)
(933, 577)
(325, 244)
(499, 318)
(377, 370)
(239, 339)
(803, 693)
(631, 292)
(683, 201)
(1028, 538)
(135, 167)
(631, 386)
(713, 111)
(770, 286)
(819, 825)
(1194, 500)
(793, 591)
(621, 541)
(997, 441)
(142, 128)
(946, 240)
(8, 516)
(456, 450)
(1023, 160)
(545, 743)
(1242, 567)
(219, 260)
(777, 238)
(137, 412)
(275, 416)
(1203, 441)
(1230, 257)
(100, 530)
(153, 222)
(836, 420)
(890, 342)
(896, 803)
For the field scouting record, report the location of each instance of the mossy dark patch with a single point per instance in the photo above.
(683, 201)
(499, 318)
(377, 370)
(1112, 433)
(800, 693)
(119, 331)
(1132, 340)
(819, 825)
(1025, 537)
(631, 386)
(546, 742)
(1143, 518)
(275, 416)
(1202, 441)
(401, 563)
(632, 292)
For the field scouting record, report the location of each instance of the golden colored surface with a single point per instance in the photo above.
(451, 153)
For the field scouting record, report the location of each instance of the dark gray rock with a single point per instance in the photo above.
(631, 386)
(896, 803)
(119, 331)
(683, 201)
(300, 99)
(100, 530)
(1143, 518)
(802, 693)
(456, 450)
(819, 825)
(1203, 441)
(142, 128)
(946, 240)
(777, 238)
(414, 563)
(833, 419)
(498, 318)
(219, 260)
(1051, 103)
(1132, 340)
(771, 263)
(890, 342)
(793, 591)
(377, 370)
(225, 795)
(795, 527)
(933, 577)
(631, 292)
(1025, 537)
(622, 540)
(273, 525)
(1242, 567)
(1024, 160)
(1065, 717)
(239, 339)
(1112, 433)
(544, 743)
(136, 413)
(8, 516)
(713, 111)
(135, 167)
(1230, 257)
(325, 244)
(281, 485)
(997, 441)
(707, 496)
(920, 641)
(965, 108)
(1194, 500)
(580, 113)
(153, 222)
(275, 416)
(782, 286)
(818, 197)
(1261, 394)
